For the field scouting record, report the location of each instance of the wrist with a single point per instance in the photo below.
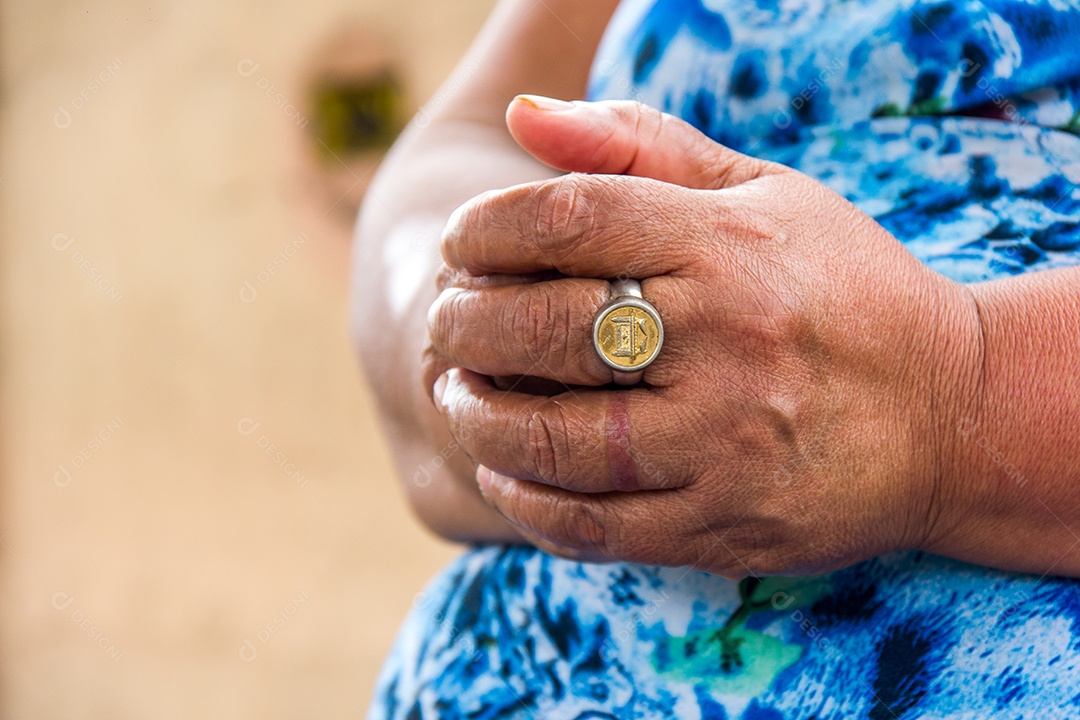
(1014, 472)
(956, 406)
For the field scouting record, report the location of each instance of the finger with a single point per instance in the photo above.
(589, 441)
(434, 363)
(627, 138)
(653, 528)
(545, 330)
(574, 554)
(541, 329)
(599, 226)
(632, 527)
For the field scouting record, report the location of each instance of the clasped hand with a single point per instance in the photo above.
(801, 413)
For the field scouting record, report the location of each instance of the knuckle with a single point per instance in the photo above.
(539, 323)
(442, 322)
(626, 116)
(452, 236)
(581, 527)
(565, 212)
(463, 225)
(532, 324)
(548, 446)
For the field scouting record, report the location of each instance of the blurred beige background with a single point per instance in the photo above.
(198, 517)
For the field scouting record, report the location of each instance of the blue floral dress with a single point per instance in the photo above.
(952, 123)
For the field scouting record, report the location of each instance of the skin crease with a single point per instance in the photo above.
(804, 412)
(970, 393)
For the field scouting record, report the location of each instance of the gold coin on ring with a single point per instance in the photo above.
(628, 332)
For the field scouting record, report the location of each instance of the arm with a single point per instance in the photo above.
(458, 148)
(1016, 501)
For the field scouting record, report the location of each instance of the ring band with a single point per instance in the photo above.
(627, 332)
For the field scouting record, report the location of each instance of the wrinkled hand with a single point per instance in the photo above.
(799, 416)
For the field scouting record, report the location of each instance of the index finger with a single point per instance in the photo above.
(600, 226)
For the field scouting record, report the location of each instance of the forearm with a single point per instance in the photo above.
(1019, 444)
(456, 149)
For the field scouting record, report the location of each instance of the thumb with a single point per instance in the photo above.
(626, 138)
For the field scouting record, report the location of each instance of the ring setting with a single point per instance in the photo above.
(627, 332)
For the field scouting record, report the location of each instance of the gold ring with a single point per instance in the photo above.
(627, 332)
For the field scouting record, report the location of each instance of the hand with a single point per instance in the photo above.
(798, 416)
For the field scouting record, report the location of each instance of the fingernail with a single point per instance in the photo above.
(540, 102)
(439, 389)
